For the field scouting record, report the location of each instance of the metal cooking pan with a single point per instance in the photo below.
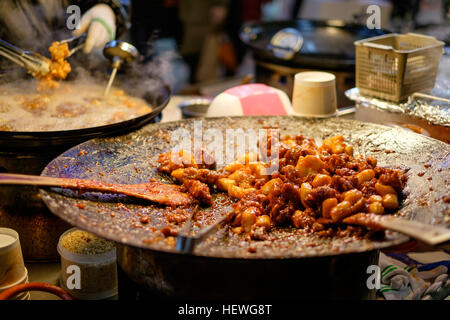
(325, 44)
(29, 152)
(158, 98)
(325, 269)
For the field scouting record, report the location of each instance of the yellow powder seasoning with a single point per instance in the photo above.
(88, 265)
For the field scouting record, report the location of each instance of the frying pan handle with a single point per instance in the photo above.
(35, 286)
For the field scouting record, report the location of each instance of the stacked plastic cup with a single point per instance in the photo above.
(12, 267)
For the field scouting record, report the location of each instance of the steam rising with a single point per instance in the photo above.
(32, 26)
(35, 26)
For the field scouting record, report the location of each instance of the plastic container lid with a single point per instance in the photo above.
(89, 261)
(84, 258)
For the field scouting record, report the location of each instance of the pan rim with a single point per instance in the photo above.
(81, 135)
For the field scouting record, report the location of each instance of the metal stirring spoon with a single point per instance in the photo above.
(118, 52)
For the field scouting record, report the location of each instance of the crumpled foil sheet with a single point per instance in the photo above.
(434, 111)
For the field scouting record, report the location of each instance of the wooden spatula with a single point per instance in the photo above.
(430, 234)
(167, 194)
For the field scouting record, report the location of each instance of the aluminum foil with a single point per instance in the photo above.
(434, 111)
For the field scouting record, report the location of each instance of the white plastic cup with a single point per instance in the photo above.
(314, 94)
(12, 267)
(20, 296)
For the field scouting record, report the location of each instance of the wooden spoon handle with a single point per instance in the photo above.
(23, 179)
(153, 191)
(41, 181)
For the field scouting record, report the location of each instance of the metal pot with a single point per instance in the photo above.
(21, 208)
(324, 45)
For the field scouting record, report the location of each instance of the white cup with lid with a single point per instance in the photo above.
(314, 94)
(12, 267)
(20, 296)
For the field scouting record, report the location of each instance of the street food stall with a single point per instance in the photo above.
(331, 158)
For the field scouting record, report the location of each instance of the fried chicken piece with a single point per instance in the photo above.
(171, 161)
(198, 190)
(203, 175)
(59, 67)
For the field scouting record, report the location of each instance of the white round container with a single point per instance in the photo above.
(314, 94)
(12, 267)
(97, 272)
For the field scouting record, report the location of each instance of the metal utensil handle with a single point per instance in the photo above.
(186, 243)
(427, 233)
(428, 96)
(29, 60)
(11, 52)
(76, 40)
(76, 43)
(75, 49)
(4, 45)
(211, 228)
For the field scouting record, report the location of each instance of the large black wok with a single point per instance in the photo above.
(328, 269)
(29, 152)
(327, 46)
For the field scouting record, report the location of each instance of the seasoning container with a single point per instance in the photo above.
(88, 265)
(314, 94)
